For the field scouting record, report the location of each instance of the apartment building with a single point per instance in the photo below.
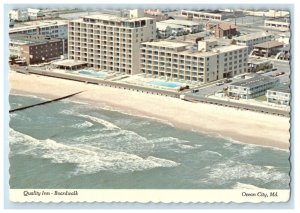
(282, 24)
(207, 15)
(35, 13)
(225, 29)
(253, 87)
(267, 49)
(165, 30)
(279, 95)
(253, 39)
(54, 29)
(110, 42)
(189, 26)
(34, 49)
(19, 15)
(201, 63)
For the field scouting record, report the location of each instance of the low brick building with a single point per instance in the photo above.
(34, 49)
(225, 29)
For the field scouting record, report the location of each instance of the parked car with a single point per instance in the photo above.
(219, 83)
(226, 80)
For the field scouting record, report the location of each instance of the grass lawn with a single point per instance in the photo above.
(261, 98)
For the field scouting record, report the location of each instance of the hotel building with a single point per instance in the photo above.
(282, 24)
(253, 39)
(109, 42)
(207, 15)
(202, 63)
(279, 95)
(54, 29)
(252, 88)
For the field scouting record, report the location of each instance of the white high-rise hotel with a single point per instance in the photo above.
(203, 63)
(109, 42)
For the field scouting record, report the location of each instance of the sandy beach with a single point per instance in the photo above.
(239, 125)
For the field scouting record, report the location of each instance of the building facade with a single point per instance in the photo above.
(200, 64)
(165, 30)
(253, 39)
(252, 88)
(267, 49)
(279, 95)
(278, 24)
(109, 42)
(189, 26)
(54, 29)
(19, 15)
(34, 49)
(206, 15)
(225, 29)
(34, 14)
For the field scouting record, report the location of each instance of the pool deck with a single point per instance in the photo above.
(148, 90)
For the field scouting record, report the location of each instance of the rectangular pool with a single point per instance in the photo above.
(93, 74)
(172, 85)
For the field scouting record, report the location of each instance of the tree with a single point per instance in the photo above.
(233, 41)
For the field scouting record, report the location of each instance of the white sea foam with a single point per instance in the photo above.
(184, 146)
(67, 112)
(239, 185)
(212, 153)
(233, 170)
(167, 139)
(105, 123)
(85, 124)
(88, 159)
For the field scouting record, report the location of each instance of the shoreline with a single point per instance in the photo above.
(238, 125)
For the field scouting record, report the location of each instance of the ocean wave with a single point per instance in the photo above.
(209, 152)
(88, 159)
(105, 123)
(85, 124)
(67, 112)
(188, 147)
(233, 170)
(239, 185)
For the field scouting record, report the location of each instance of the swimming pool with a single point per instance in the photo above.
(165, 84)
(93, 74)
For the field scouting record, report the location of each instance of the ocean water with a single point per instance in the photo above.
(73, 145)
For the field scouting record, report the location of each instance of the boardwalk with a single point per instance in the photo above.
(174, 94)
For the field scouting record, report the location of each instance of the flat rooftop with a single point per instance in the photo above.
(33, 39)
(254, 60)
(285, 20)
(167, 44)
(269, 44)
(227, 26)
(181, 22)
(114, 18)
(253, 36)
(162, 25)
(281, 88)
(189, 48)
(258, 80)
(34, 24)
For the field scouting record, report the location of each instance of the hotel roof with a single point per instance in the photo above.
(167, 44)
(33, 39)
(107, 17)
(226, 26)
(281, 88)
(269, 44)
(192, 50)
(253, 36)
(162, 25)
(181, 22)
(36, 24)
(255, 81)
